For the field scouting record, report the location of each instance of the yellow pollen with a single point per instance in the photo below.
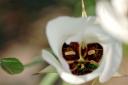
(90, 52)
(70, 53)
(82, 65)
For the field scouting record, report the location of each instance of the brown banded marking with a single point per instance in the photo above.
(82, 59)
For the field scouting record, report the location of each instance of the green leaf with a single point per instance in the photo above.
(11, 65)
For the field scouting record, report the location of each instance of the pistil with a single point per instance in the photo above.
(81, 56)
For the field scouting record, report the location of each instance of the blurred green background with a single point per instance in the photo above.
(22, 35)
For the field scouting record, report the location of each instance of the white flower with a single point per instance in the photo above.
(113, 16)
(84, 31)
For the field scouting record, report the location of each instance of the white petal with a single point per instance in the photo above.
(60, 29)
(51, 60)
(96, 34)
(72, 79)
(92, 34)
(63, 29)
(111, 22)
(113, 58)
(112, 54)
(63, 74)
(121, 7)
(94, 74)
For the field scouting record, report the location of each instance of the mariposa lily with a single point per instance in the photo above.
(113, 16)
(82, 50)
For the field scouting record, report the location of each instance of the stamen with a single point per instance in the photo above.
(90, 52)
(70, 53)
(93, 62)
(83, 49)
(82, 46)
(82, 66)
(70, 62)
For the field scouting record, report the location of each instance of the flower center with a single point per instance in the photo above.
(82, 58)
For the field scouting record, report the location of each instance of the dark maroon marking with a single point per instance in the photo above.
(73, 46)
(73, 65)
(98, 52)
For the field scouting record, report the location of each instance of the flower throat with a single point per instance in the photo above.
(82, 58)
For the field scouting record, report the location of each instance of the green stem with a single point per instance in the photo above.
(49, 79)
(65, 83)
(35, 62)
